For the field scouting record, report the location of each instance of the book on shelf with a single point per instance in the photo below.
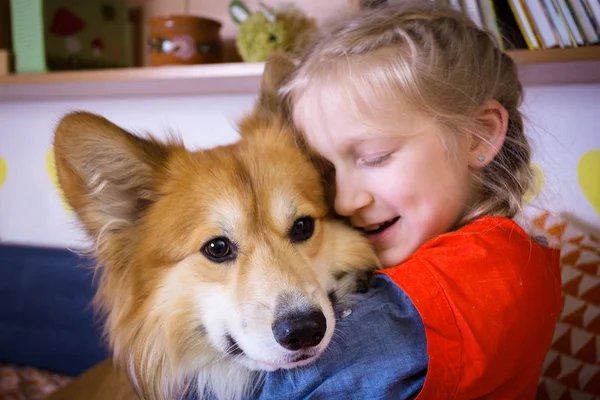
(535, 24)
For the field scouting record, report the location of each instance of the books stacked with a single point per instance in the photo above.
(536, 24)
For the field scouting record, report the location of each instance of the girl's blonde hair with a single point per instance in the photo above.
(438, 60)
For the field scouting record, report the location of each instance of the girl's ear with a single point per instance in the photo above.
(238, 11)
(492, 125)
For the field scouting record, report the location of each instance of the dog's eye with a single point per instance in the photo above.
(219, 250)
(302, 229)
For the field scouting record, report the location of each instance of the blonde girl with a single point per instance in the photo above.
(414, 112)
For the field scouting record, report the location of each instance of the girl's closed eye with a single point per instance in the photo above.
(375, 161)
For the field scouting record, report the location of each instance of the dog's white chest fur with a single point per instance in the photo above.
(225, 381)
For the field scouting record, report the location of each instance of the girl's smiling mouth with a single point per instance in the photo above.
(378, 228)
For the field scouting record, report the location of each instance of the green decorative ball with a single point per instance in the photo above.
(257, 37)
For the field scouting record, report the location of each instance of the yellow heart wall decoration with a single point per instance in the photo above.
(588, 174)
(51, 168)
(536, 185)
(3, 171)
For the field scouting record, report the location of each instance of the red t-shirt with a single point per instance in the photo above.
(489, 297)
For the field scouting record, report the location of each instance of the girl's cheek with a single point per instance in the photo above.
(386, 175)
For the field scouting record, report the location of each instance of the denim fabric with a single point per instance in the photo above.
(379, 351)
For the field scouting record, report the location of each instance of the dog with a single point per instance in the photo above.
(213, 265)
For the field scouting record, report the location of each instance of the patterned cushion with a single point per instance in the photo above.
(572, 366)
(23, 383)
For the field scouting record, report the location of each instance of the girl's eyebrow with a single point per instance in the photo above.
(383, 141)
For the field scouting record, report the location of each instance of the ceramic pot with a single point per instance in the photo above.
(184, 39)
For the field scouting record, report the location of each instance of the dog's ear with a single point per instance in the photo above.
(107, 174)
(279, 67)
(269, 119)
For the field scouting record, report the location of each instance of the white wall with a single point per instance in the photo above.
(30, 209)
(564, 124)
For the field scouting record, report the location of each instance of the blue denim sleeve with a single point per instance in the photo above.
(379, 351)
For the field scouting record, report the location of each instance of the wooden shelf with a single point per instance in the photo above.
(586, 53)
(543, 67)
(145, 81)
(579, 65)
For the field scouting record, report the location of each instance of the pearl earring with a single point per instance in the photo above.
(480, 158)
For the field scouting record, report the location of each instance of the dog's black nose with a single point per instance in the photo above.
(300, 331)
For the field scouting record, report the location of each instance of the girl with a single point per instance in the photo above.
(416, 112)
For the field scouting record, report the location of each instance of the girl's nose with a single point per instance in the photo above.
(350, 197)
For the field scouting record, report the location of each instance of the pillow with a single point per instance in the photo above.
(18, 383)
(46, 317)
(572, 367)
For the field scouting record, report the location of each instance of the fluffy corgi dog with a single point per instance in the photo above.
(212, 264)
